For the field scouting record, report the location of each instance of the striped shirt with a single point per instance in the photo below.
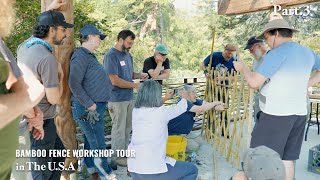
(87, 79)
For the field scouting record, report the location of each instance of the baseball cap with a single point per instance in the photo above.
(276, 24)
(91, 29)
(53, 18)
(161, 49)
(251, 41)
(263, 163)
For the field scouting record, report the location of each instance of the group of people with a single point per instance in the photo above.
(92, 86)
(281, 76)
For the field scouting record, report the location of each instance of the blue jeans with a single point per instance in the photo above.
(50, 141)
(181, 170)
(93, 137)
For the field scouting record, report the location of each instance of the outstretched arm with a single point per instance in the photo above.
(217, 105)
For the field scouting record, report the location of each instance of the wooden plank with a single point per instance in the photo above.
(235, 7)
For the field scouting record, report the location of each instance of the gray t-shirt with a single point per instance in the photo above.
(45, 67)
(118, 63)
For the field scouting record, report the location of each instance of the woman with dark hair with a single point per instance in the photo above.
(150, 134)
(87, 82)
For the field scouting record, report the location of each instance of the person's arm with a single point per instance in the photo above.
(168, 95)
(142, 76)
(78, 68)
(58, 5)
(207, 106)
(165, 75)
(204, 66)
(176, 110)
(255, 80)
(179, 108)
(24, 94)
(35, 122)
(117, 81)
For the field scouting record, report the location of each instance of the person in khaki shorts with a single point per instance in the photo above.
(118, 64)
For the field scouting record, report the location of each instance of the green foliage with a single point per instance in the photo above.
(188, 36)
(26, 13)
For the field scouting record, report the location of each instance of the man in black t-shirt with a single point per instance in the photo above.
(158, 66)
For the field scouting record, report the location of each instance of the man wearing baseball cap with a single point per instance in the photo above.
(37, 54)
(87, 82)
(283, 78)
(158, 65)
(257, 49)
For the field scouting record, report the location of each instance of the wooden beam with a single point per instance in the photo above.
(235, 7)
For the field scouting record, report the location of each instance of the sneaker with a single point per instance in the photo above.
(120, 161)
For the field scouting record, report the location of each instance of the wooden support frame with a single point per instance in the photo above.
(236, 7)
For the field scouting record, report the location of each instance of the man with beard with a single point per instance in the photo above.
(118, 63)
(37, 54)
(257, 49)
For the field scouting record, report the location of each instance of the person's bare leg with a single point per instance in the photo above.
(288, 165)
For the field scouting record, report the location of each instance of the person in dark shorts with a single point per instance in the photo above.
(283, 80)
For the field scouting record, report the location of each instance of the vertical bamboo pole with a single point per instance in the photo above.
(250, 118)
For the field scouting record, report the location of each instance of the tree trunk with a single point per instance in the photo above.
(66, 126)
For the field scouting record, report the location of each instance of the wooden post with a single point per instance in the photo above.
(66, 126)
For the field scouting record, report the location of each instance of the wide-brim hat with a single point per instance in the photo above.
(276, 24)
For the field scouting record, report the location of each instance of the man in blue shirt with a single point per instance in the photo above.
(283, 79)
(118, 64)
(183, 124)
(220, 60)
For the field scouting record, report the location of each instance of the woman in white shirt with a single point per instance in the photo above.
(150, 135)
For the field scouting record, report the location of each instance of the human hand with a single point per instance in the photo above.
(58, 5)
(219, 106)
(159, 59)
(93, 107)
(36, 123)
(144, 76)
(169, 94)
(238, 65)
